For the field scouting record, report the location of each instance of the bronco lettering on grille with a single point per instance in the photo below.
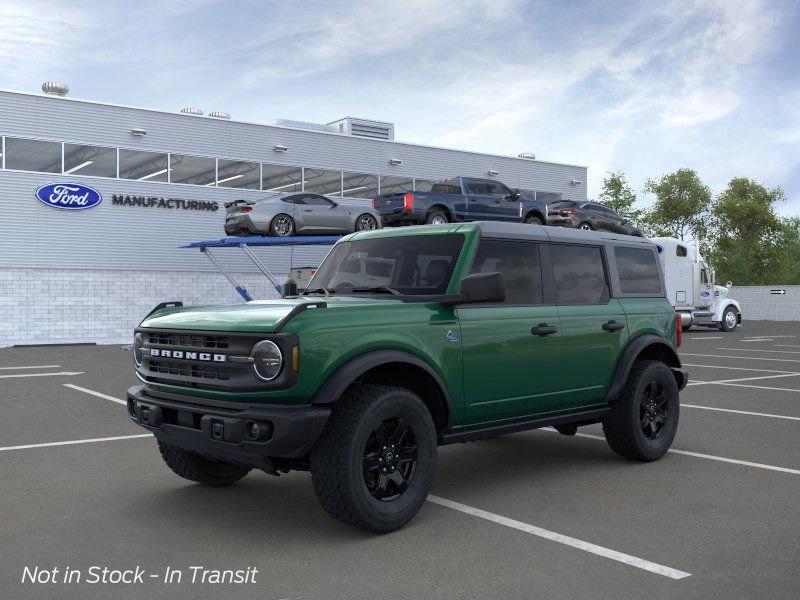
(163, 353)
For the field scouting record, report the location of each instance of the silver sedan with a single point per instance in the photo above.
(300, 213)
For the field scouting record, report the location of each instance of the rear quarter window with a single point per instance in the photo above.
(638, 271)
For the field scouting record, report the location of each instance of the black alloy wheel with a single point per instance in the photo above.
(282, 225)
(390, 459)
(653, 410)
(366, 223)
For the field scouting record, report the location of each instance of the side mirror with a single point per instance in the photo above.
(479, 288)
(289, 288)
(334, 204)
(514, 195)
(729, 284)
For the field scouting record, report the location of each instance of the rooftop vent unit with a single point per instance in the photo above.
(219, 115)
(53, 88)
(527, 155)
(376, 130)
(303, 125)
(192, 110)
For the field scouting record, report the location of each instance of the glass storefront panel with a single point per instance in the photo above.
(321, 181)
(280, 178)
(98, 161)
(238, 174)
(143, 166)
(195, 170)
(359, 185)
(396, 185)
(33, 155)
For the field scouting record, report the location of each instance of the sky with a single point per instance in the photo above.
(639, 87)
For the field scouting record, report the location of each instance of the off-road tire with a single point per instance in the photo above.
(623, 424)
(273, 231)
(533, 220)
(436, 214)
(337, 460)
(197, 468)
(723, 326)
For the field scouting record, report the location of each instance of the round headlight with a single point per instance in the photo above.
(267, 360)
(138, 349)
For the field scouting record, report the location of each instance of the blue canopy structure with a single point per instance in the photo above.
(244, 243)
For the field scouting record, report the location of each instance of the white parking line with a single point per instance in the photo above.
(713, 337)
(757, 340)
(759, 350)
(741, 357)
(93, 393)
(721, 381)
(734, 461)
(562, 539)
(72, 442)
(68, 373)
(31, 367)
(761, 387)
(739, 368)
(741, 412)
(787, 346)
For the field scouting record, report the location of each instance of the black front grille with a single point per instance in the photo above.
(188, 340)
(187, 369)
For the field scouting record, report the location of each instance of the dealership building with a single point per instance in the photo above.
(162, 179)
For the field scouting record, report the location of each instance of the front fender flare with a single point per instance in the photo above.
(633, 350)
(345, 375)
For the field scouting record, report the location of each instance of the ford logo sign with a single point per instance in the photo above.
(68, 196)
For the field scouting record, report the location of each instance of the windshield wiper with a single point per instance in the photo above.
(323, 290)
(382, 289)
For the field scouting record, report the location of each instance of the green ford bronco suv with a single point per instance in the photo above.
(407, 339)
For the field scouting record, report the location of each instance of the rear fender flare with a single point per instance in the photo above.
(645, 344)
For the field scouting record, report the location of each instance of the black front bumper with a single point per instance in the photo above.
(225, 433)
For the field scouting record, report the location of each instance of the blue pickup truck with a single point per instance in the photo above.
(461, 199)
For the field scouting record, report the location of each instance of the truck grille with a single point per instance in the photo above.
(188, 340)
(191, 370)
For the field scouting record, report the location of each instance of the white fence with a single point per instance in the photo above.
(769, 303)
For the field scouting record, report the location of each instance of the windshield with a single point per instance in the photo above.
(408, 265)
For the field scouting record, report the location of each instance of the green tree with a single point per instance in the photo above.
(618, 196)
(681, 206)
(752, 245)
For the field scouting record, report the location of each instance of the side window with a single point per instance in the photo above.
(317, 200)
(294, 199)
(579, 274)
(445, 187)
(638, 271)
(475, 186)
(498, 189)
(680, 250)
(519, 264)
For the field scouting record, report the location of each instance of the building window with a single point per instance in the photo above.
(320, 181)
(279, 178)
(195, 170)
(359, 185)
(33, 155)
(90, 160)
(238, 174)
(396, 185)
(423, 185)
(143, 166)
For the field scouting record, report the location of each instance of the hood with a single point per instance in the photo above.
(260, 316)
(721, 291)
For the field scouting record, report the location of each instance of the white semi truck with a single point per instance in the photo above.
(692, 290)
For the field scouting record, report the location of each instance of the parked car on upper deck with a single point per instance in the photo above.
(589, 216)
(461, 199)
(283, 215)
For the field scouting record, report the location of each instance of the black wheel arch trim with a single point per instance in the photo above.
(633, 350)
(345, 375)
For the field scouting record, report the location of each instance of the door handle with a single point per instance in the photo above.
(612, 326)
(307, 210)
(543, 329)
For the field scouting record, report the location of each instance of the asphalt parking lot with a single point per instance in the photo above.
(530, 515)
